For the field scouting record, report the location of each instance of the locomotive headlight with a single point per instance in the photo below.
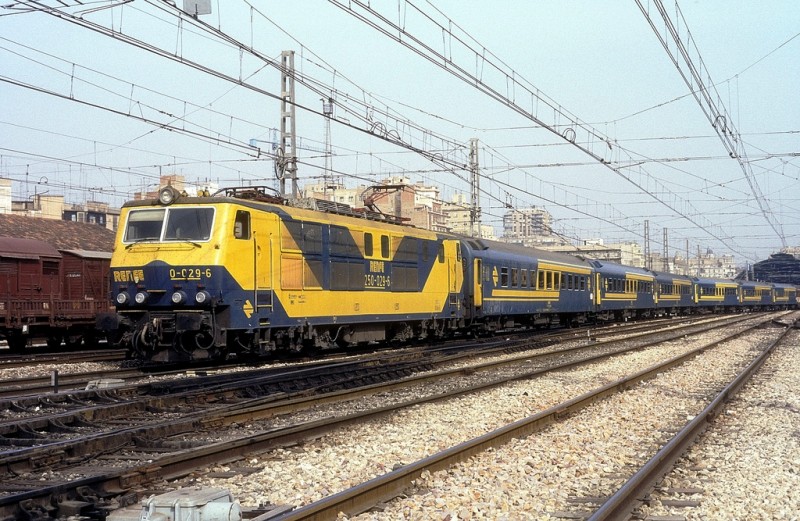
(167, 195)
(202, 297)
(123, 298)
(140, 297)
(179, 297)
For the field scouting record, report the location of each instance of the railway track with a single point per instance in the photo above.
(428, 474)
(22, 463)
(57, 380)
(9, 361)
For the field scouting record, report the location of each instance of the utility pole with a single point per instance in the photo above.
(687, 258)
(698, 260)
(647, 260)
(666, 251)
(327, 111)
(475, 205)
(288, 143)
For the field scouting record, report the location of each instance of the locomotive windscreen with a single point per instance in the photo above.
(182, 224)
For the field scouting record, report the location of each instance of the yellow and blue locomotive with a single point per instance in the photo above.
(199, 277)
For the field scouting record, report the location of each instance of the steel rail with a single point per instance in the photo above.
(621, 504)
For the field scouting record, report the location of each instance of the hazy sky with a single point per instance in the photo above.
(97, 101)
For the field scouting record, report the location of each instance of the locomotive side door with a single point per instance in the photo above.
(455, 273)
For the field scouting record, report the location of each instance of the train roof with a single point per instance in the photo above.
(608, 267)
(87, 254)
(707, 280)
(662, 276)
(16, 248)
(522, 251)
(754, 283)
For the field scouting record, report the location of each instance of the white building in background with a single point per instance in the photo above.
(336, 192)
(525, 223)
(630, 253)
(530, 227)
(457, 216)
(5, 195)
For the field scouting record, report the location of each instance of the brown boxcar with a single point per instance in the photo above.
(49, 294)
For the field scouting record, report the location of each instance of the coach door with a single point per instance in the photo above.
(477, 282)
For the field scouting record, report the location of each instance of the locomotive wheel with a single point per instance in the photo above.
(191, 341)
(54, 341)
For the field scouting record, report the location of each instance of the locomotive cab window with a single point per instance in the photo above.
(190, 224)
(176, 224)
(241, 225)
(144, 225)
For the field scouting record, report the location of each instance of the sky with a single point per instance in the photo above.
(577, 106)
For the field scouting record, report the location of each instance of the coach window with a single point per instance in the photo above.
(368, 244)
(540, 281)
(514, 277)
(385, 246)
(523, 278)
(441, 252)
(560, 281)
(241, 225)
(504, 277)
(458, 252)
(583, 283)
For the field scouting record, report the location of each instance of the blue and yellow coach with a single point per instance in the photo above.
(510, 285)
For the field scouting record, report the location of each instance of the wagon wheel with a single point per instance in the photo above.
(73, 341)
(54, 341)
(17, 342)
(90, 339)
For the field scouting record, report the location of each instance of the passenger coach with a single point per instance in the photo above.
(511, 285)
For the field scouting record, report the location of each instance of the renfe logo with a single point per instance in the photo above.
(128, 275)
(377, 266)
